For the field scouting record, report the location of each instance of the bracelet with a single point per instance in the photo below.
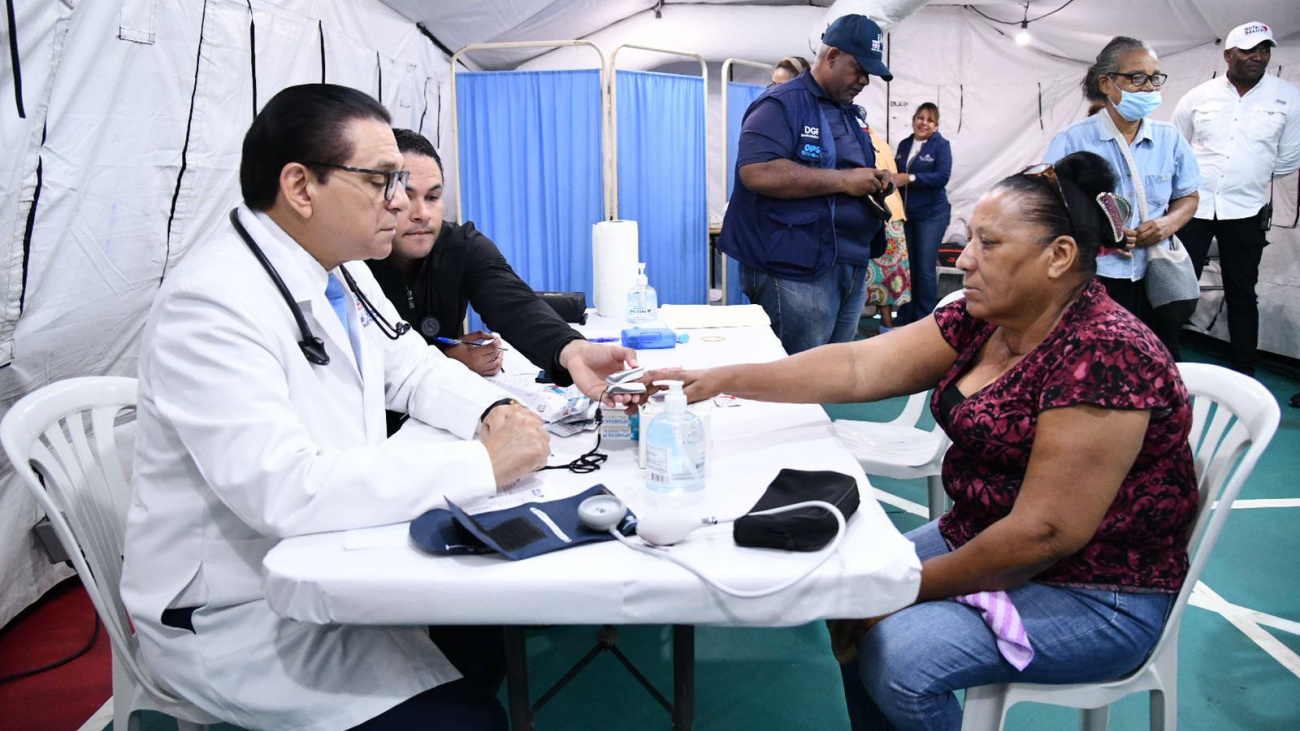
(493, 405)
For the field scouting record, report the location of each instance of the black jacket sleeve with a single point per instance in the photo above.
(510, 307)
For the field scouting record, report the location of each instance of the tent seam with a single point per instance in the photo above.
(17, 62)
(185, 148)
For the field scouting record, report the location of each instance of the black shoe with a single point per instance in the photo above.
(1295, 400)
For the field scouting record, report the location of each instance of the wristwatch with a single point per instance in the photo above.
(493, 405)
(911, 178)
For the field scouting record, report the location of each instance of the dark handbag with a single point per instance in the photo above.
(570, 306)
(807, 529)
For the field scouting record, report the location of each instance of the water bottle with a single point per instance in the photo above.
(675, 451)
(642, 301)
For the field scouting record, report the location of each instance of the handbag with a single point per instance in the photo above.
(1170, 277)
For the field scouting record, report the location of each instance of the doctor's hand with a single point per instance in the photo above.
(484, 360)
(516, 442)
(589, 363)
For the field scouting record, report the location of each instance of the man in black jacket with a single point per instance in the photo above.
(438, 268)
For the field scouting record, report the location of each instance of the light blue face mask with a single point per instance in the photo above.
(1137, 105)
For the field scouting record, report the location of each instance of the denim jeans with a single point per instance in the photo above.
(923, 238)
(808, 314)
(912, 661)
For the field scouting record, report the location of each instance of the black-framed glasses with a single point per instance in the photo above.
(1140, 79)
(392, 178)
(1045, 170)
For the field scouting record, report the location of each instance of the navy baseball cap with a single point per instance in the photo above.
(860, 36)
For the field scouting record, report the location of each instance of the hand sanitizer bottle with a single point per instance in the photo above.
(675, 451)
(642, 301)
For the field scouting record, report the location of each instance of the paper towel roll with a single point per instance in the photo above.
(615, 255)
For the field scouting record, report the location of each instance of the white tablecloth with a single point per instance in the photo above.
(377, 576)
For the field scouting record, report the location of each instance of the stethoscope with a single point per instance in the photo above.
(313, 348)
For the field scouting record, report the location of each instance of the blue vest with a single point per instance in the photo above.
(792, 238)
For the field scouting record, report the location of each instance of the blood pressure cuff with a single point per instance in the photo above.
(571, 306)
(806, 529)
(519, 532)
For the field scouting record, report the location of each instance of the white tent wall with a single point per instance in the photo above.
(119, 129)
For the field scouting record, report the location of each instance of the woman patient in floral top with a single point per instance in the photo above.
(1070, 471)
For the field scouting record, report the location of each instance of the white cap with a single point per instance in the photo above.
(1248, 35)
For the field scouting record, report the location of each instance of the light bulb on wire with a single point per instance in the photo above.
(1022, 36)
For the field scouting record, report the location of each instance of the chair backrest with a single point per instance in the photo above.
(1233, 419)
(62, 442)
(916, 403)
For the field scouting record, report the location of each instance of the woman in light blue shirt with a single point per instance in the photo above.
(1126, 79)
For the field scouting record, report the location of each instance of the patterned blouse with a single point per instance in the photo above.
(1098, 355)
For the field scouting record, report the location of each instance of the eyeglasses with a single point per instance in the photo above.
(392, 178)
(1140, 79)
(1045, 170)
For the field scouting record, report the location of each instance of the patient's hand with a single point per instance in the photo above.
(484, 360)
(516, 442)
(698, 385)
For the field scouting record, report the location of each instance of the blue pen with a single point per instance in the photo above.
(454, 341)
(603, 340)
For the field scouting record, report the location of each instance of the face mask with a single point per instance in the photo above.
(1136, 105)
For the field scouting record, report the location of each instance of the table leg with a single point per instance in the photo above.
(683, 677)
(521, 709)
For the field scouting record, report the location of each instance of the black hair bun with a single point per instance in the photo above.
(1088, 172)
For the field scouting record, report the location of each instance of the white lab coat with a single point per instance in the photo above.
(242, 442)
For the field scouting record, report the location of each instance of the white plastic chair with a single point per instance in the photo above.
(1234, 418)
(898, 449)
(63, 435)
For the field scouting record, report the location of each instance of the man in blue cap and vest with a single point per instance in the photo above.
(799, 221)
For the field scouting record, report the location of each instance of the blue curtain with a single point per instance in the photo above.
(661, 179)
(531, 170)
(739, 97)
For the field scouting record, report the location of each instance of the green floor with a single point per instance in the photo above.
(759, 679)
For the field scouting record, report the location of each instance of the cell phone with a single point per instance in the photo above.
(625, 376)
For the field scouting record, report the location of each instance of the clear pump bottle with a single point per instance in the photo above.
(642, 300)
(675, 450)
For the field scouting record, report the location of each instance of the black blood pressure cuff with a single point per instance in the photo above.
(806, 529)
(520, 532)
(570, 306)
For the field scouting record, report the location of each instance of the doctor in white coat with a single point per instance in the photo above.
(243, 440)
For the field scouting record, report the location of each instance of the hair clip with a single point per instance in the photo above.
(1117, 211)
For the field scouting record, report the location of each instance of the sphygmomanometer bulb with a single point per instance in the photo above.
(667, 527)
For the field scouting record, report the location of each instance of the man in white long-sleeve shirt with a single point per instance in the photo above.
(1245, 130)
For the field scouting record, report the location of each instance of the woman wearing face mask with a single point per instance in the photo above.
(924, 165)
(1126, 79)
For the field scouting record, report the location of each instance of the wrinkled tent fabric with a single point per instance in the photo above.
(118, 97)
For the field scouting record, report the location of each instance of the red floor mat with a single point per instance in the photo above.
(61, 699)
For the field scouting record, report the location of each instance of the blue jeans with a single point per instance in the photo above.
(923, 238)
(808, 314)
(911, 662)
